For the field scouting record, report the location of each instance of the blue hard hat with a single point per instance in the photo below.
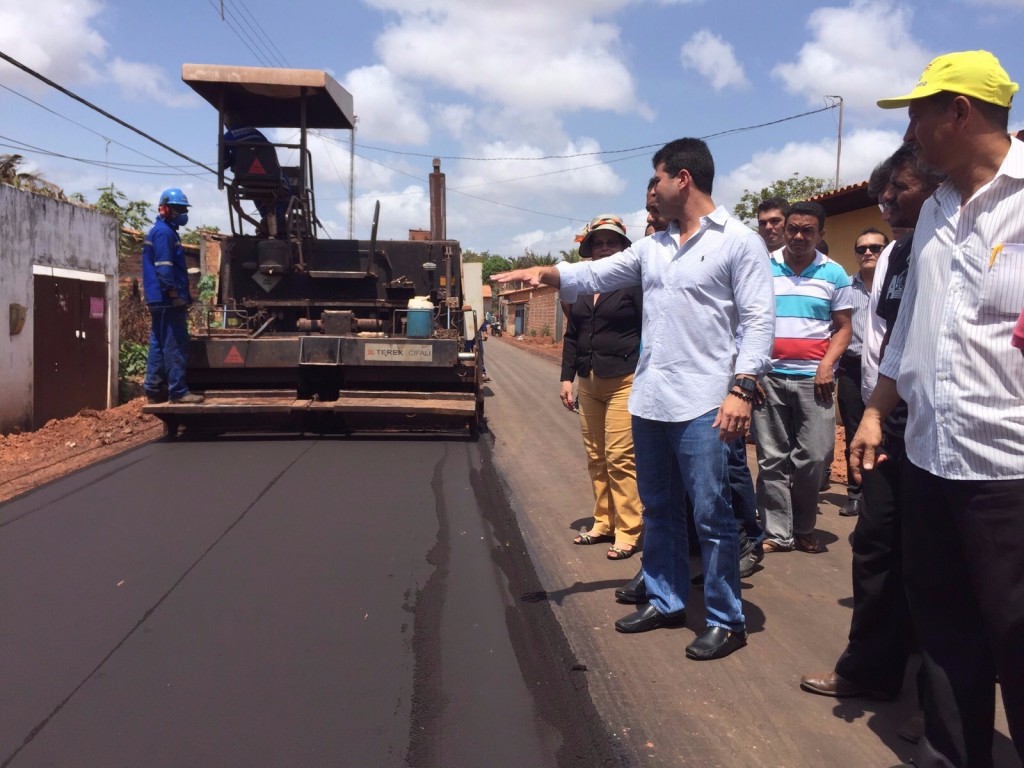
(173, 197)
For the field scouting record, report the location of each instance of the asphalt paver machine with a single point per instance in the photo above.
(310, 334)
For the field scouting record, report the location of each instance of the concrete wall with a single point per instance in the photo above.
(841, 232)
(39, 234)
(473, 294)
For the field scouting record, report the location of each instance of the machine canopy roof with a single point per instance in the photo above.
(271, 97)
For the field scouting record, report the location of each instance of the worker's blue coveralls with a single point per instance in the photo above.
(165, 285)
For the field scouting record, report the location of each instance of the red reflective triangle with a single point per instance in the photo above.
(233, 356)
(257, 169)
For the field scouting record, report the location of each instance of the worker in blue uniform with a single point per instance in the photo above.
(165, 285)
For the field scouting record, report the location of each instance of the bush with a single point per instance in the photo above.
(135, 318)
(545, 331)
(132, 360)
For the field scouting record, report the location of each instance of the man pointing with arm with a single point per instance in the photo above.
(693, 392)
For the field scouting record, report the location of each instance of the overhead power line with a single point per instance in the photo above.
(603, 151)
(121, 166)
(103, 112)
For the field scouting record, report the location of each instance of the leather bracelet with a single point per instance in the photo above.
(742, 396)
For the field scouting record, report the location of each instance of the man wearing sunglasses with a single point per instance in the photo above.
(870, 244)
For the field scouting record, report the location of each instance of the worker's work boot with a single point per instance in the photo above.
(189, 399)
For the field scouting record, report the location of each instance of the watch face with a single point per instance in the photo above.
(747, 385)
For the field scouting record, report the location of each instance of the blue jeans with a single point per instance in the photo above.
(168, 351)
(744, 501)
(675, 460)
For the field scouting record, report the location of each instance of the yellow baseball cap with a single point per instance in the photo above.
(971, 73)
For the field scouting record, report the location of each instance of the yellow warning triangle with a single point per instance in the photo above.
(233, 356)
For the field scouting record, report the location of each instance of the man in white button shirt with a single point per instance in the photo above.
(950, 358)
(693, 392)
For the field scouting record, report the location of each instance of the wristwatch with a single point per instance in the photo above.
(747, 384)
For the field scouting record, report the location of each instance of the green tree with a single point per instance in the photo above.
(531, 259)
(30, 182)
(130, 214)
(194, 236)
(571, 257)
(792, 189)
(472, 257)
(495, 264)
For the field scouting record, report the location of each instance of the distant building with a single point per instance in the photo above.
(849, 211)
(531, 312)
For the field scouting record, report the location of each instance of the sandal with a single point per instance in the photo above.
(586, 538)
(621, 553)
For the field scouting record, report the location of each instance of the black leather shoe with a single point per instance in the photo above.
(852, 508)
(715, 643)
(649, 618)
(633, 591)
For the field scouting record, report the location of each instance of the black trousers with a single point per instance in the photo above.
(851, 411)
(963, 554)
(881, 637)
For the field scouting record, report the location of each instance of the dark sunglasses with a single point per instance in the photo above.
(873, 247)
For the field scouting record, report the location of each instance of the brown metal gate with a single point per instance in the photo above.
(71, 362)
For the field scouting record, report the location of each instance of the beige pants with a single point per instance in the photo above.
(608, 439)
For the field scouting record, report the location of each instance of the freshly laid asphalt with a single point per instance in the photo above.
(395, 601)
(282, 602)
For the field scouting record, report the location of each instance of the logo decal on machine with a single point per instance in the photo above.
(234, 357)
(398, 353)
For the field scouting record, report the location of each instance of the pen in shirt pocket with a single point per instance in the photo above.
(995, 252)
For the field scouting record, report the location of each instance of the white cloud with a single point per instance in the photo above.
(387, 109)
(533, 55)
(862, 151)
(400, 211)
(53, 38)
(145, 81)
(714, 58)
(506, 176)
(455, 119)
(862, 52)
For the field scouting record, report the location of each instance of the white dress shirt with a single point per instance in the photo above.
(874, 329)
(950, 349)
(696, 295)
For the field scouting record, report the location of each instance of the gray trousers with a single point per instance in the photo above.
(795, 433)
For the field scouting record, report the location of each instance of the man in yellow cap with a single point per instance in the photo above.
(950, 358)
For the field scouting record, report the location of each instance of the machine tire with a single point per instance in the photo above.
(171, 427)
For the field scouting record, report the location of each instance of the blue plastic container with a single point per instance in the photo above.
(420, 323)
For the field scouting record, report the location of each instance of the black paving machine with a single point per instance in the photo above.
(309, 334)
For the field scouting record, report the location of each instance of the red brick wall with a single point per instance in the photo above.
(540, 316)
(541, 307)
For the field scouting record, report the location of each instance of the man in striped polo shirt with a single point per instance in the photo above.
(795, 428)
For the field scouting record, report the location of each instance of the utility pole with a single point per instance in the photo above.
(839, 143)
(352, 178)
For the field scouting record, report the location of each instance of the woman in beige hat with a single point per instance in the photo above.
(601, 348)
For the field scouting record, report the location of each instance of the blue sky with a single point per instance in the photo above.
(556, 104)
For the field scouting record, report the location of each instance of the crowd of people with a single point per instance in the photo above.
(710, 333)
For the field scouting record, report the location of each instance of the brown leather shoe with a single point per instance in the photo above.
(807, 542)
(837, 686)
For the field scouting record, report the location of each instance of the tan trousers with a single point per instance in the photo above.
(608, 439)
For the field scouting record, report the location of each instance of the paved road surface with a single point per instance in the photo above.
(369, 603)
(744, 710)
(281, 603)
